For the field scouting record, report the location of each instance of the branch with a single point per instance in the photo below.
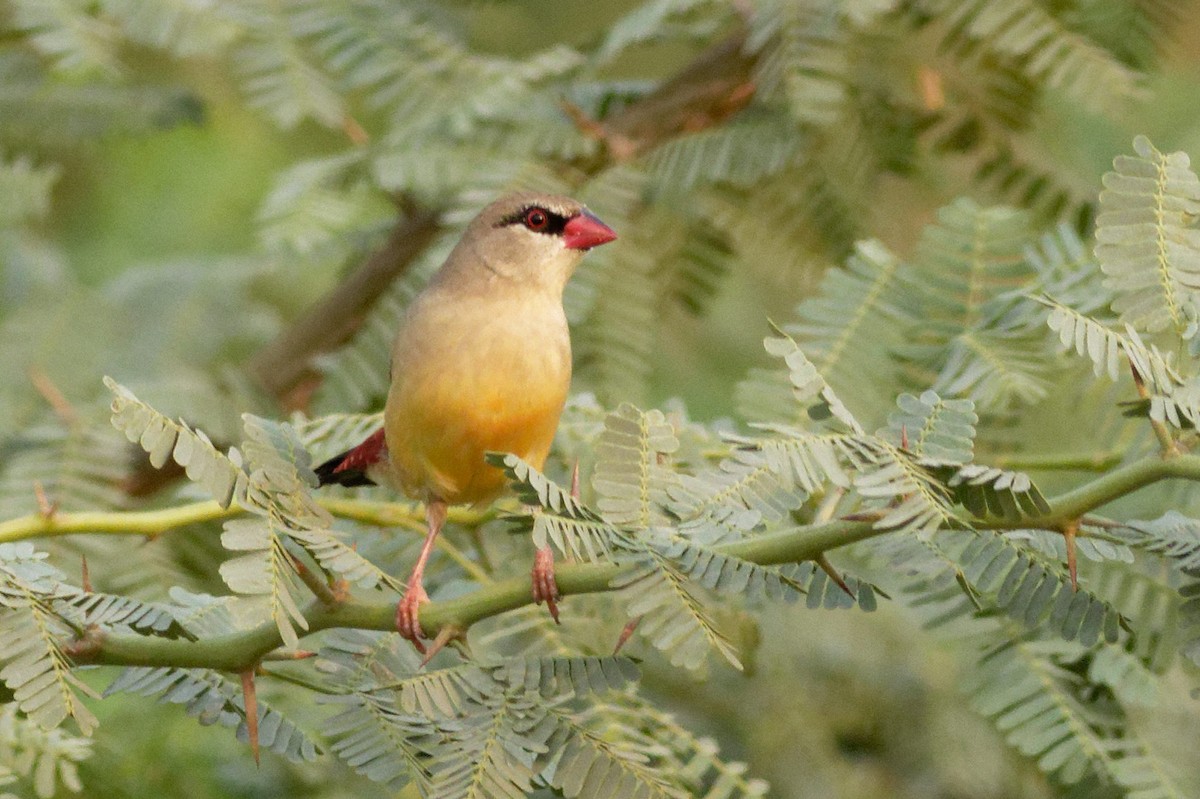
(708, 90)
(1099, 461)
(236, 652)
(282, 367)
(151, 523)
(142, 522)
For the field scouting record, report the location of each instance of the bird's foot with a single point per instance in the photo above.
(545, 587)
(407, 622)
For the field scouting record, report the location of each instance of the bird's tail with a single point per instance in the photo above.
(353, 467)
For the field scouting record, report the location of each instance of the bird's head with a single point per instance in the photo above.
(531, 239)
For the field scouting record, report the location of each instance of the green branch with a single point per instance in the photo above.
(138, 522)
(238, 651)
(155, 522)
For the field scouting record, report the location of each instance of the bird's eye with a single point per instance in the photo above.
(536, 219)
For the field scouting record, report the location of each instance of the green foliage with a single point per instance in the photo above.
(1145, 238)
(35, 667)
(918, 181)
(669, 571)
(45, 758)
(213, 699)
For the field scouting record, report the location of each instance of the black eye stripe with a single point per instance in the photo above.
(555, 222)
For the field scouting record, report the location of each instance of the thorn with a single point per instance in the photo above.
(827, 567)
(289, 654)
(297, 564)
(444, 636)
(904, 436)
(575, 481)
(863, 516)
(1069, 532)
(84, 576)
(929, 82)
(626, 632)
(250, 702)
(355, 132)
(46, 508)
(741, 94)
(54, 398)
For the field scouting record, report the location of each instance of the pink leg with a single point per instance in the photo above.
(545, 587)
(407, 622)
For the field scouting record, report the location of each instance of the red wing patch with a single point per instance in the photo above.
(365, 455)
(350, 468)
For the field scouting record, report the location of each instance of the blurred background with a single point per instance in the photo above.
(183, 183)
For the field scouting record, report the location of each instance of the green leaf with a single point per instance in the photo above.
(47, 759)
(989, 492)
(631, 479)
(222, 475)
(280, 75)
(803, 58)
(655, 20)
(35, 668)
(982, 340)
(383, 744)
(741, 493)
(70, 33)
(27, 189)
(1044, 47)
(1147, 241)
(851, 327)
(809, 387)
(936, 430)
(574, 529)
(673, 616)
(1171, 398)
(267, 571)
(1029, 588)
(1172, 535)
(210, 697)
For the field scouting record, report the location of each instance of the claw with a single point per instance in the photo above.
(408, 623)
(545, 587)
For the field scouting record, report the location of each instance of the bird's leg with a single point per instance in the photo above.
(407, 623)
(545, 587)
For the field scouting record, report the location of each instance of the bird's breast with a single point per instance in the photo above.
(472, 379)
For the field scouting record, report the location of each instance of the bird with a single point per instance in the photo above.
(481, 363)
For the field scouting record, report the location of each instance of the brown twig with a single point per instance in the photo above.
(46, 508)
(250, 701)
(283, 366)
(1069, 531)
(713, 87)
(53, 396)
(1165, 442)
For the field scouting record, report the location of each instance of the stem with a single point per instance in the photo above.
(1100, 461)
(140, 522)
(1165, 442)
(237, 651)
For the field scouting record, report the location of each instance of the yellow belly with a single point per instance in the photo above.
(454, 399)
